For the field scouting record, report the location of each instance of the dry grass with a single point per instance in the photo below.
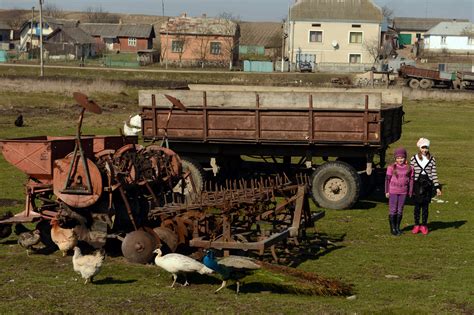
(437, 94)
(61, 86)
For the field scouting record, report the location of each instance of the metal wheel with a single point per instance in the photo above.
(426, 83)
(138, 247)
(194, 182)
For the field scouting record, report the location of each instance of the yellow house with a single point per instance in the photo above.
(334, 31)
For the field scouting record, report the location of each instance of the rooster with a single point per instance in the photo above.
(65, 239)
(87, 265)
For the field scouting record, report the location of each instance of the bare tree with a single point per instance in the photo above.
(52, 10)
(230, 25)
(387, 12)
(16, 18)
(373, 48)
(98, 15)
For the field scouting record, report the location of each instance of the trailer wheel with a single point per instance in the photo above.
(426, 83)
(414, 83)
(196, 172)
(335, 185)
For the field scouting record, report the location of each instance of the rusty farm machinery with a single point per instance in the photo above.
(115, 188)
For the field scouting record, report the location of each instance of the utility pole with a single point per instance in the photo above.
(31, 28)
(41, 38)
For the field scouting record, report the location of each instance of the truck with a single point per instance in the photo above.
(426, 78)
(336, 137)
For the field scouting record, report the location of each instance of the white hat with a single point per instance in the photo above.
(423, 142)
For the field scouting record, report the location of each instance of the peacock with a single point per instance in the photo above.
(238, 267)
(230, 268)
(176, 263)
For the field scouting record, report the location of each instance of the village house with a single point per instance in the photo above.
(69, 43)
(411, 30)
(453, 37)
(129, 38)
(260, 39)
(199, 40)
(30, 31)
(6, 35)
(334, 31)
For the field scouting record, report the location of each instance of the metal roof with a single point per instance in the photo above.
(199, 26)
(77, 35)
(119, 30)
(266, 34)
(418, 24)
(452, 29)
(336, 10)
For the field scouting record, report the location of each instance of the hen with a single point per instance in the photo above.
(65, 239)
(29, 239)
(87, 265)
(177, 263)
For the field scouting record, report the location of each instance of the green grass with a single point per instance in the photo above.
(432, 274)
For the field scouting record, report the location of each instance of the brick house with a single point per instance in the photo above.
(120, 37)
(199, 41)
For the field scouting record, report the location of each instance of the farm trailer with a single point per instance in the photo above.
(218, 125)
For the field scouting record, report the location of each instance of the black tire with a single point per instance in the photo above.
(414, 83)
(367, 182)
(196, 172)
(335, 185)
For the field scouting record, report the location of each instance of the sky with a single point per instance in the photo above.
(247, 10)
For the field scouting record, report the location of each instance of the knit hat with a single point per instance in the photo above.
(423, 142)
(400, 152)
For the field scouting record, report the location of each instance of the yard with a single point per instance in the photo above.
(407, 274)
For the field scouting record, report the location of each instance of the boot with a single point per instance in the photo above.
(398, 222)
(391, 219)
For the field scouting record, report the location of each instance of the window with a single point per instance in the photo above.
(215, 48)
(356, 25)
(316, 25)
(470, 40)
(132, 41)
(315, 36)
(177, 46)
(355, 58)
(443, 40)
(355, 37)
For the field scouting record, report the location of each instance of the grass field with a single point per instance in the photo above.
(410, 274)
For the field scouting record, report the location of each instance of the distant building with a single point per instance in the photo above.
(69, 43)
(199, 40)
(261, 38)
(120, 37)
(413, 29)
(455, 37)
(6, 35)
(333, 31)
(30, 30)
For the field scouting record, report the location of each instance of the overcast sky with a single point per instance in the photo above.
(248, 10)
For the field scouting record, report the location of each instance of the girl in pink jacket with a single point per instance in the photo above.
(398, 184)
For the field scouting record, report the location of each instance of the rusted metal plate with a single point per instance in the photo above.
(86, 103)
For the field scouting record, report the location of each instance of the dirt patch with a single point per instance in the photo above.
(9, 202)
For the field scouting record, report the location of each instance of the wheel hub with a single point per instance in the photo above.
(335, 188)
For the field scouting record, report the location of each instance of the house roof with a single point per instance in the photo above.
(76, 34)
(418, 24)
(4, 26)
(53, 22)
(119, 30)
(267, 34)
(199, 26)
(336, 10)
(452, 29)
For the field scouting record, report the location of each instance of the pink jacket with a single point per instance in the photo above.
(402, 182)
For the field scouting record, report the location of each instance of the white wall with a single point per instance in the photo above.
(453, 43)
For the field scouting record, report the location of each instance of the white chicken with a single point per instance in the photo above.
(87, 265)
(133, 126)
(65, 239)
(177, 263)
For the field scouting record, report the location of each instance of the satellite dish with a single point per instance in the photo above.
(335, 44)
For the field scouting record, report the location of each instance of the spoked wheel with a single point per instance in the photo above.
(138, 247)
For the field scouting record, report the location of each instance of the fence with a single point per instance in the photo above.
(121, 60)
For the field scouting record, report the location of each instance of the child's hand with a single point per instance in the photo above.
(438, 192)
(387, 195)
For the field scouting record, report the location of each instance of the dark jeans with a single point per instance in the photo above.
(424, 213)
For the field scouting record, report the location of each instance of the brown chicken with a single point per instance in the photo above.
(65, 239)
